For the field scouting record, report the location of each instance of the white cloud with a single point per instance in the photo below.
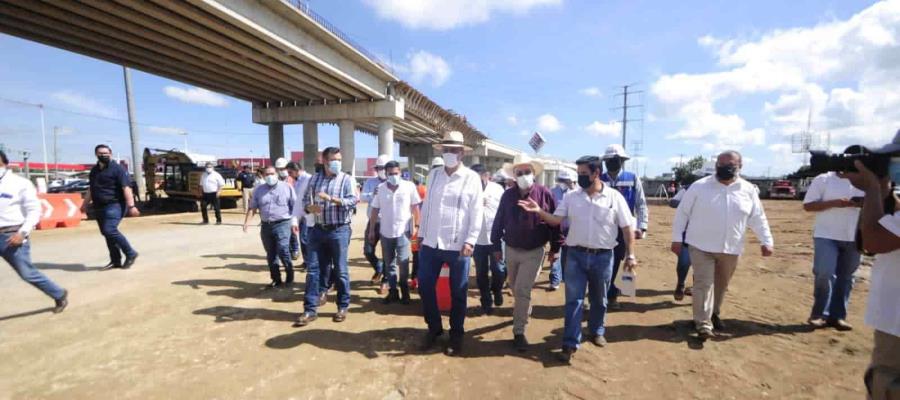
(846, 71)
(591, 91)
(449, 14)
(512, 120)
(195, 95)
(548, 123)
(167, 130)
(597, 128)
(422, 66)
(78, 102)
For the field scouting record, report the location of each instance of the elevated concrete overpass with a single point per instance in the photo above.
(291, 64)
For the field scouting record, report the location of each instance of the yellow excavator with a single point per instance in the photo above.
(173, 180)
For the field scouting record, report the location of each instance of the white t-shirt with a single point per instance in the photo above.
(394, 207)
(594, 221)
(211, 182)
(883, 311)
(835, 223)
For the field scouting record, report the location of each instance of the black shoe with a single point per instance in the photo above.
(205, 223)
(487, 310)
(454, 346)
(111, 265)
(129, 261)
(520, 343)
(305, 319)
(717, 323)
(302, 267)
(429, 340)
(613, 304)
(404, 295)
(679, 293)
(705, 333)
(272, 285)
(288, 284)
(553, 288)
(393, 296)
(566, 354)
(62, 303)
(218, 222)
(498, 299)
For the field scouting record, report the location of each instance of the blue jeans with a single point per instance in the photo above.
(396, 253)
(618, 255)
(592, 272)
(108, 218)
(327, 247)
(429, 270)
(19, 258)
(834, 263)
(683, 265)
(556, 270)
(488, 286)
(369, 253)
(276, 241)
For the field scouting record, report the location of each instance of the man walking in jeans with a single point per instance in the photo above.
(394, 206)
(369, 190)
(211, 183)
(525, 235)
(331, 198)
(110, 194)
(836, 257)
(490, 272)
(451, 221)
(275, 201)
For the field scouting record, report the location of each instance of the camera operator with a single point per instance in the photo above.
(880, 232)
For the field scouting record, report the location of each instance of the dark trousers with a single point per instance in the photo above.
(429, 272)
(207, 200)
(490, 274)
(275, 238)
(108, 218)
(618, 256)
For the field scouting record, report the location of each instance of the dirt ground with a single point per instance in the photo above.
(190, 321)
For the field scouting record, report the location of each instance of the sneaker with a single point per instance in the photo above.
(520, 343)
(599, 340)
(62, 303)
(717, 323)
(566, 354)
(305, 319)
(817, 322)
(841, 325)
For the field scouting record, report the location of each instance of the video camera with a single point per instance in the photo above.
(823, 161)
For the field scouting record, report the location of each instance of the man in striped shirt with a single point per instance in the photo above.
(331, 198)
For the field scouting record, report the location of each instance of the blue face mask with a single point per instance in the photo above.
(394, 179)
(894, 170)
(334, 166)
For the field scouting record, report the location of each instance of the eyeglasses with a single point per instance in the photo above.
(522, 173)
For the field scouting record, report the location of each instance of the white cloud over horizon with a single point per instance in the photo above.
(548, 123)
(424, 67)
(195, 95)
(591, 91)
(443, 15)
(83, 103)
(608, 129)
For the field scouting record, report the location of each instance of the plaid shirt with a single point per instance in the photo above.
(339, 186)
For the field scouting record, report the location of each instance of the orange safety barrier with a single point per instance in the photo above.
(60, 210)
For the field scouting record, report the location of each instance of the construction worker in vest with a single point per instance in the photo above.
(629, 185)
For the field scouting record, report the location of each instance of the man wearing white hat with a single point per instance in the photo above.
(629, 185)
(525, 236)
(369, 191)
(451, 221)
(437, 162)
(565, 182)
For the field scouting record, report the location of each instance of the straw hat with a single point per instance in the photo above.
(523, 159)
(452, 139)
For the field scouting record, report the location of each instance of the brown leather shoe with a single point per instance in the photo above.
(323, 298)
(305, 319)
(340, 316)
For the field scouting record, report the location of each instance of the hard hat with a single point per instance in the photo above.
(382, 159)
(615, 150)
(281, 163)
(437, 162)
(567, 174)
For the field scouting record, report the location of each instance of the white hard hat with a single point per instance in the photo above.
(567, 174)
(382, 160)
(281, 163)
(437, 162)
(615, 150)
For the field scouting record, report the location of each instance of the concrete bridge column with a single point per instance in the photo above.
(310, 146)
(348, 146)
(386, 137)
(276, 141)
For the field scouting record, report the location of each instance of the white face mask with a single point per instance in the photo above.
(283, 173)
(562, 185)
(394, 179)
(271, 180)
(525, 181)
(209, 170)
(381, 175)
(451, 160)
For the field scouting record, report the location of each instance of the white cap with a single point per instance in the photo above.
(567, 174)
(437, 162)
(615, 150)
(281, 163)
(382, 160)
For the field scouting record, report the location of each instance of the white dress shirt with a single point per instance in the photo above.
(716, 216)
(883, 312)
(594, 221)
(300, 185)
(492, 194)
(453, 211)
(394, 207)
(834, 223)
(212, 182)
(19, 204)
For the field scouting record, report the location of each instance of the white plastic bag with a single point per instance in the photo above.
(627, 283)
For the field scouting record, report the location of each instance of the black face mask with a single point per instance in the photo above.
(613, 164)
(103, 159)
(585, 181)
(726, 172)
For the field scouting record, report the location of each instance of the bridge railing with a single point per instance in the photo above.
(303, 6)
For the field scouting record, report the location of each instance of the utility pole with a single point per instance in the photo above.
(25, 155)
(44, 145)
(625, 106)
(136, 164)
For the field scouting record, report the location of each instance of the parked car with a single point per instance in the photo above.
(783, 189)
(79, 186)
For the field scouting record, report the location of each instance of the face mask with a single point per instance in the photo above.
(451, 160)
(394, 179)
(282, 174)
(894, 170)
(271, 180)
(525, 181)
(209, 170)
(585, 181)
(334, 166)
(726, 172)
(381, 175)
(104, 159)
(562, 186)
(613, 164)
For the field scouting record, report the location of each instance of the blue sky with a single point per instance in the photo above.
(714, 76)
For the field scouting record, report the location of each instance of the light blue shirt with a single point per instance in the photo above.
(275, 203)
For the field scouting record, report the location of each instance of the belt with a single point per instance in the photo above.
(588, 250)
(275, 222)
(329, 227)
(10, 229)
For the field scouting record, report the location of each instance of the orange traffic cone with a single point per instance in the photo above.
(443, 289)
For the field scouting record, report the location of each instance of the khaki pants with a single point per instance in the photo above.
(522, 268)
(245, 197)
(883, 375)
(712, 272)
